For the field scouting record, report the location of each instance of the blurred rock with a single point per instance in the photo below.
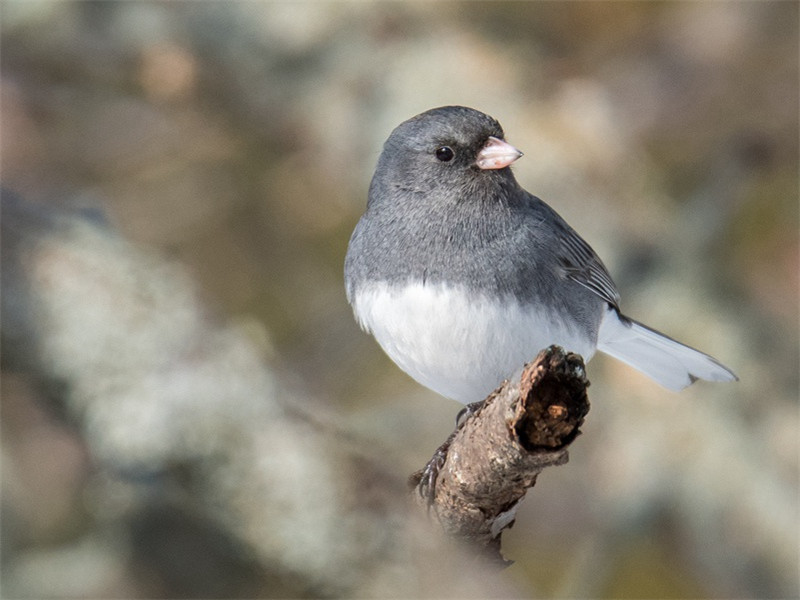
(211, 479)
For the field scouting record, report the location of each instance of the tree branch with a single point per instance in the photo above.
(497, 453)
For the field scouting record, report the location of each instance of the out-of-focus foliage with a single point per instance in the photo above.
(239, 137)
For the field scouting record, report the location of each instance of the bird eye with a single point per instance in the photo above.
(445, 153)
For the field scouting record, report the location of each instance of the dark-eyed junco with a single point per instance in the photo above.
(462, 276)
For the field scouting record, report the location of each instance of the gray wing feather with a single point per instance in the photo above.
(583, 266)
(577, 261)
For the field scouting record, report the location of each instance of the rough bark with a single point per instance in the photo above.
(496, 454)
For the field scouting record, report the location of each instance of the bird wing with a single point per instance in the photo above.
(583, 266)
(576, 259)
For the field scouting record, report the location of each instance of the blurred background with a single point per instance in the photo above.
(237, 139)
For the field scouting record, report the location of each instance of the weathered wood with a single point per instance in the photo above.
(495, 455)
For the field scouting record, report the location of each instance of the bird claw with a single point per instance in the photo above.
(429, 474)
(465, 413)
(426, 478)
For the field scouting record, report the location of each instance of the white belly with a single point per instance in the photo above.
(459, 347)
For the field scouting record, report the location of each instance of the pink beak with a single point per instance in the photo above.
(496, 154)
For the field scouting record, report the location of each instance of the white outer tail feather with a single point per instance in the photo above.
(670, 363)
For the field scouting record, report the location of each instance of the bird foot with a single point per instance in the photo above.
(424, 480)
(465, 413)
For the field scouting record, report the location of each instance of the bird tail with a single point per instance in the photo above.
(670, 363)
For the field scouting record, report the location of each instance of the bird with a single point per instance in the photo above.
(462, 276)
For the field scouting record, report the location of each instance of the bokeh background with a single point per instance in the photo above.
(238, 139)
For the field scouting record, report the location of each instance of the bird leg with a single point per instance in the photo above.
(424, 480)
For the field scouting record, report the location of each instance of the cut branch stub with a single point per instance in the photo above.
(499, 451)
(553, 401)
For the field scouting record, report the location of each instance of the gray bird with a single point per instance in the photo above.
(462, 276)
